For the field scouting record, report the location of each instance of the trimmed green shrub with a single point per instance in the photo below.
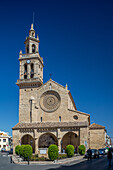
(81, 149)
(27, 152)
(53, 152)
(70, 150)
(17, 149)
(21, 150)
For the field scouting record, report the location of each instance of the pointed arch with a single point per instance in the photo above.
(28, 140)
(46, 140)
(70, 138)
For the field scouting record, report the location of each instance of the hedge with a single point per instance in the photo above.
(21, 150)
(24, 151)
(27, 152)
(81, 149)
(53, 152)
(70, 150)
(17, 149)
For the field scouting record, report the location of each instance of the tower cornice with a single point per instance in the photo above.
(31, 38)
(31, 56)
(35, 82)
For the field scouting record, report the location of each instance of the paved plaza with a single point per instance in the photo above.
(81, 164)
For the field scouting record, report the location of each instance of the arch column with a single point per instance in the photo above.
(35, 65)
(28, 71)
(59, 144)
(36, 146)
(21, 70)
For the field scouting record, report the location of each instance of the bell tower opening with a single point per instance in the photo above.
(32, 70)
(33, 48)
(25, 71)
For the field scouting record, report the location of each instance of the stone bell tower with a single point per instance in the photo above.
(30, 77)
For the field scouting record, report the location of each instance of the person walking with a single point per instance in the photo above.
(109, 156)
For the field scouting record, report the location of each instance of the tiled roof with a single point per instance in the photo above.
(3, 134)
(96, 126)
(49, 125)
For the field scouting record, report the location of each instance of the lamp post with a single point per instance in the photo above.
(61, 146)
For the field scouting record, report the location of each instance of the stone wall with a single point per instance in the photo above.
(15, 139)
(37, 112)
(97, 138)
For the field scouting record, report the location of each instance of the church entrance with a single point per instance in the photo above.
(28, 139)
(46, 140)
(70, 138)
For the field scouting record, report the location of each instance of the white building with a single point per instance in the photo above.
(108, 141)
(5, 141)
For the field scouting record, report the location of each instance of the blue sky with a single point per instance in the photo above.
(76, 43)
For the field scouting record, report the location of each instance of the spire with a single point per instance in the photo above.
(32, 27)
(66, 86)
(20, 52)
(37, 37)
(32, 32)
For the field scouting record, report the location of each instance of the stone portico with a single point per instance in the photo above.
(63, 134)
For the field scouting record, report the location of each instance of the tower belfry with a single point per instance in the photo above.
(31, 63)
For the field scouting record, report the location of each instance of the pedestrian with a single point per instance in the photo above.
(109, 156)
(89, 152)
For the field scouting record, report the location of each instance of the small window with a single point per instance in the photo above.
(0, 140)
(4, 140)
(4, 146)
(0, 146)
(50, 86)
(59, 118)
(41, 119)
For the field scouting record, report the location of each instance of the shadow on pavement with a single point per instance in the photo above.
(68, 167)
(95, 164)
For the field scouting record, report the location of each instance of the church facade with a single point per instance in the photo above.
(47, 112)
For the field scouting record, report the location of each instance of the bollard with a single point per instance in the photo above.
(28, 160)
(11, 159)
